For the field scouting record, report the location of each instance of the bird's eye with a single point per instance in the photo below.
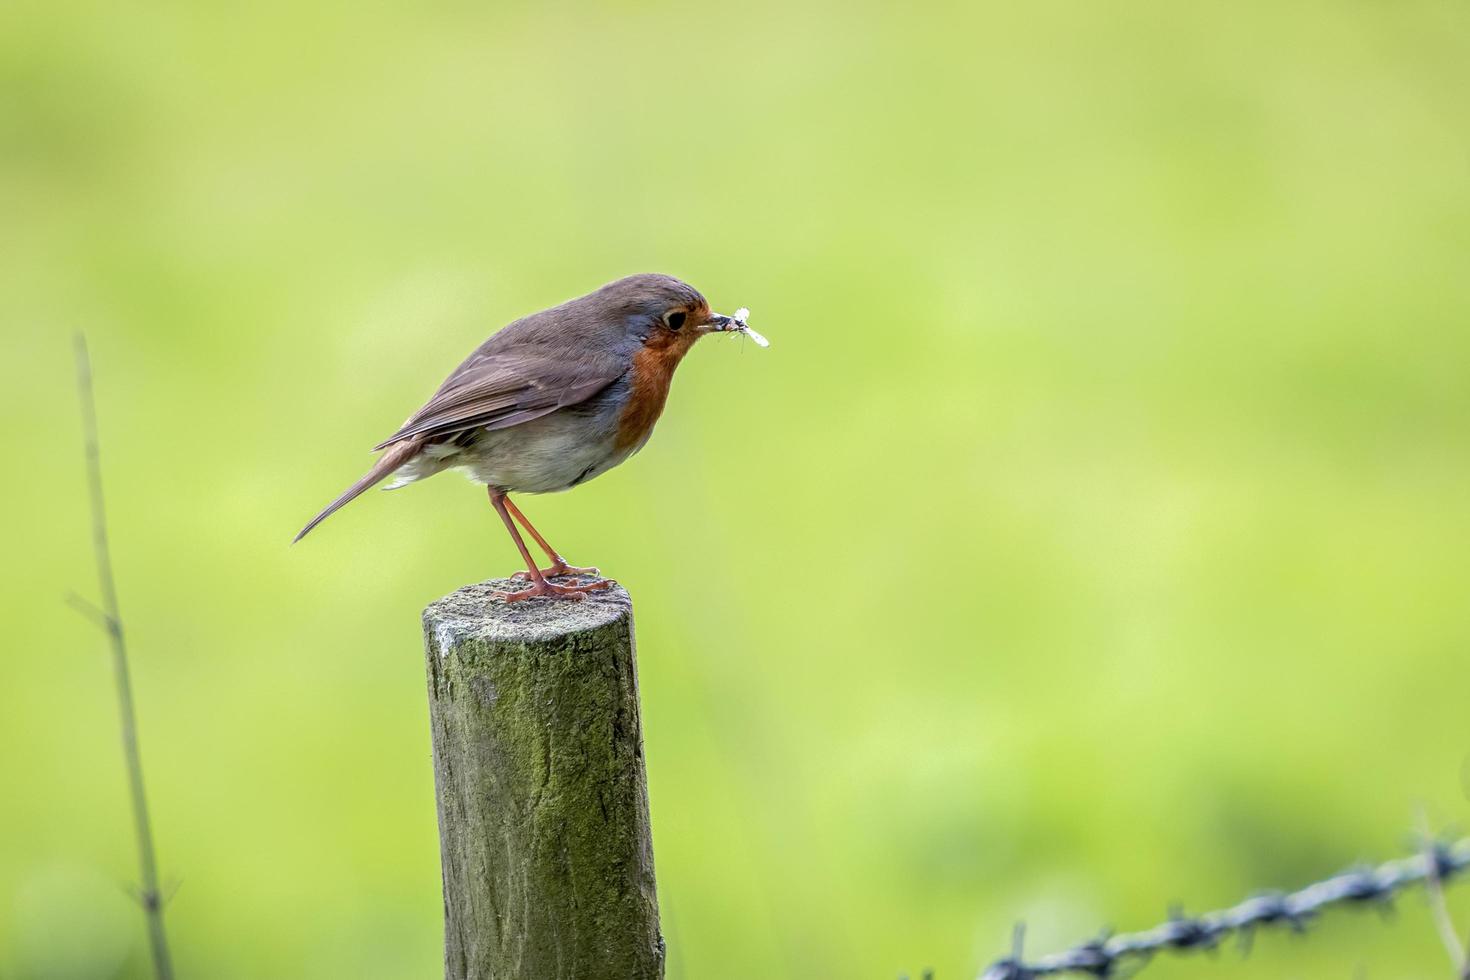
(675, 320)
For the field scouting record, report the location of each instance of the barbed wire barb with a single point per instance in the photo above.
(1104, 957)
(1438, 908)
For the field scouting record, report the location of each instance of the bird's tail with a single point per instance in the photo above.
(395, 457)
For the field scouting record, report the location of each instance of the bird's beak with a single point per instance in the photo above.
(716, 323)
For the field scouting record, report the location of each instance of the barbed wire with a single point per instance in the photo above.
(1103, 957)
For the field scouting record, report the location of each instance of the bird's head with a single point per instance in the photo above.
(661, 312)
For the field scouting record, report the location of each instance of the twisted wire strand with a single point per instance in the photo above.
(1104, 956)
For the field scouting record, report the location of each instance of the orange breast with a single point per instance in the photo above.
(653, 370)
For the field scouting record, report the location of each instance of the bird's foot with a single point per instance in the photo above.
(560, 569)
(544, 588)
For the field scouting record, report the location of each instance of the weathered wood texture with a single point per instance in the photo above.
(543, 800)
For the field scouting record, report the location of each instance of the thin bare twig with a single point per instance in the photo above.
(89, 609)
(110, 620)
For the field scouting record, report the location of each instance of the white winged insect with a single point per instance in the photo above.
(741, 315)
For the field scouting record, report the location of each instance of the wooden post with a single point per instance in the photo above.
(543, 801)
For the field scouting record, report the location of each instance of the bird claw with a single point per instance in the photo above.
(545, 588)
(560, 570)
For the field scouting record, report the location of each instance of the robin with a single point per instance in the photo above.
(549, 402)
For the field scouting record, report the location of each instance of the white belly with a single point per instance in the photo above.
(545, 455)
(540, 456)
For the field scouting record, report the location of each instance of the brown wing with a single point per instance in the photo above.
(494, 391)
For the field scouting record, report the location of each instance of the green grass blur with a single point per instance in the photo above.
(1093, 535)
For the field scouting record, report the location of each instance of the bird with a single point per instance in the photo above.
(549, 402)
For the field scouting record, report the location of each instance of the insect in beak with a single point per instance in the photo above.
(719, 322)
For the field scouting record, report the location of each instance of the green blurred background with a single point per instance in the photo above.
(1092, 536)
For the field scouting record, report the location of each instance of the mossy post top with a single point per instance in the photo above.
(473, 613)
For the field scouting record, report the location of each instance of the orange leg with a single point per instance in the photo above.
(559, 564)
(539, 585)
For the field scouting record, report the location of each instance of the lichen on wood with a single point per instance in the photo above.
(542, 794)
